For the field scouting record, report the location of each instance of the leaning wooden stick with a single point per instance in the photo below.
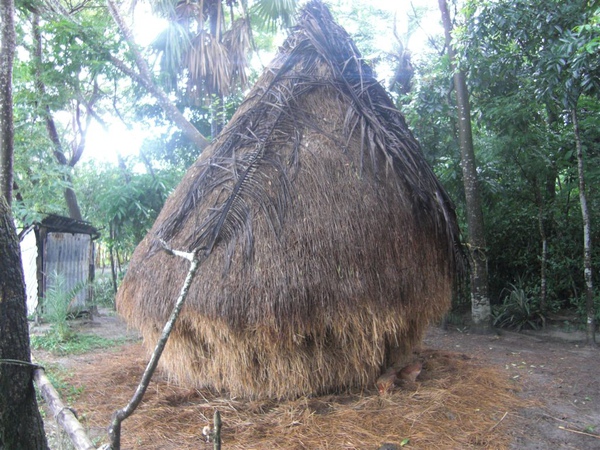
(114, 431)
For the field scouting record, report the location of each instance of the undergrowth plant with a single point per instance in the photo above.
(104, 294)
(57, 303)
(581, 308)
(77, 343)
(61, 338)
(518, 310)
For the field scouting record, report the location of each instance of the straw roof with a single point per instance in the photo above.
(328, 243)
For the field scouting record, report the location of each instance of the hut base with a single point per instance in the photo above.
(259, 363)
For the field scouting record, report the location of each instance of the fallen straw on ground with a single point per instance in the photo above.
(456, 403)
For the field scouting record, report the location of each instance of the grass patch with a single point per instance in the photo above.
(72, 343)
(59, 377)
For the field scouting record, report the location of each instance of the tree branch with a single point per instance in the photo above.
(144, 77)
(69, 193)
(114, 431)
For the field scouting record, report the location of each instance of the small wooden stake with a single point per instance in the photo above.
(217, 432)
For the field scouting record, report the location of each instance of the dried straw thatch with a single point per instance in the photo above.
(329, 244)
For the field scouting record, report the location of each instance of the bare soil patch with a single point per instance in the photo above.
(555, 371)
(497, 392)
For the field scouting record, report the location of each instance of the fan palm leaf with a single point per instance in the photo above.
(274, 12)
(238, 41)
(208, 66)
(172, 44)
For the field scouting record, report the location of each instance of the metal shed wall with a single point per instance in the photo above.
(69, 256)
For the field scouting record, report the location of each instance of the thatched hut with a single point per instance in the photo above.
(329, 244)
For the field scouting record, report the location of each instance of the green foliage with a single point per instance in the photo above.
(59, 377)
(123, 201)
(57, 305)
(63, 74)
(580, 307)
(273, 14)
(525, 60)
(61, 339)
(104, 294)
(358, 18)
(40, 180)
(74, 344)
(204, 50)
(518, 310)
(429, 109)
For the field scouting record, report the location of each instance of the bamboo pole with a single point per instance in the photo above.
(64, 415)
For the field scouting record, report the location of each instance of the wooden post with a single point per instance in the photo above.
(217, 432)
(63, 415)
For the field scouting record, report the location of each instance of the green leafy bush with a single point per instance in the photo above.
(104, 294)
(57, 302)
(518, 310)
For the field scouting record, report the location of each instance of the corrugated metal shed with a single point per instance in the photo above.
(58, 247)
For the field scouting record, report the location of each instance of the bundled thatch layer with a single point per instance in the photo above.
(329, 244)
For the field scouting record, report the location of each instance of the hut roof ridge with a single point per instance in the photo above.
(316, 40)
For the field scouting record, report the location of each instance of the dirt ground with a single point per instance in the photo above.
(556, 375)
(552, 367)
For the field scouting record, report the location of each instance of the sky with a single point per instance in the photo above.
(105, 146)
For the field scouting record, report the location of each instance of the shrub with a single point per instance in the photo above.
(518, 310)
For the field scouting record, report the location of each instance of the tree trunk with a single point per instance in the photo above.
(539, 200)
(111, 253)
(7, 53)
(480, 301)
(21, 425)
(69, 193)
(587, 241)
(72, 203)
(118, 259)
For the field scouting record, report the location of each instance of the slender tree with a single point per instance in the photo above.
(7, 52)
(569, 67)
(58, 150)
(587, 241)
(480, 301)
